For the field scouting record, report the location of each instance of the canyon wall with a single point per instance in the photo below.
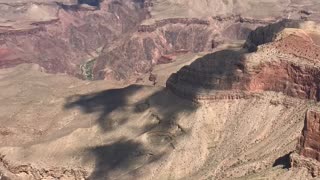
(108, 39)
(119, 40)
(307, 154)
(71, 35)
(144, 49)
(289, 64)
(266, 34)
(309, 144)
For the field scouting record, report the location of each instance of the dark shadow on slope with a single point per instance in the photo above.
(226, 65)
(128, 154)
(220, 71)
(283, 161)
(139, 3)
(120, 155)
(266, 34)
(95, 3)
(75, 7)
(103, 103)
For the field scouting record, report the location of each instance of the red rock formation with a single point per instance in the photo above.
(71, 37)
(9, 59)
(143, 50)
(309, 144)
(106, 39)
(164, 59)
(307, 154)
(263, 35)
(290, 65)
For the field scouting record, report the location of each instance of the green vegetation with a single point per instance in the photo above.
(87, 69)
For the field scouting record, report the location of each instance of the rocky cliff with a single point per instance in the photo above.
(307, 154)
(289, 64)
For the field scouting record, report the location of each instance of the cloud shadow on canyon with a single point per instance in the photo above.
(126, 154)
(103, 103)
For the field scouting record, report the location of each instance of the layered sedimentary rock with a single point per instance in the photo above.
(290, 64)
(122, 40)
(61, 36)
(308, 152)
(282, 58)
(138, 53)
(310, 140)
(106, 40)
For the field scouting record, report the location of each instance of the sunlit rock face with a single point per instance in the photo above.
(307, 154)
(309, 142)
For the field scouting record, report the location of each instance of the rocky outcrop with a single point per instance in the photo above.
(289, 64)
(266, 34)
(312, 166)
(10, 171)
(307, 154)
(213, 76)
(309, 142)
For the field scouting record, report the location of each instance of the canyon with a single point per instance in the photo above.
(162, 89)
(119, 40)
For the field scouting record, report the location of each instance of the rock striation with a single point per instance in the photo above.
(307, 154)
(161, 23)
(61, 36)
(122, 40)
(105, 40)
(309, 142)
(289, 63)
(284, 58)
